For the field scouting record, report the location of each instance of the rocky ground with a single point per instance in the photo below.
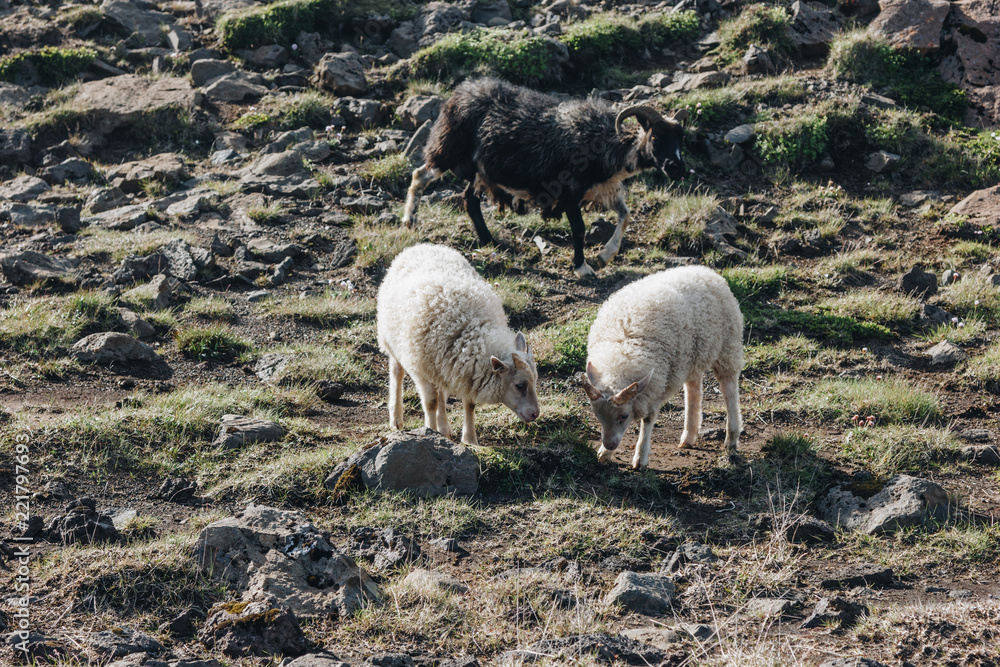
(198, 201)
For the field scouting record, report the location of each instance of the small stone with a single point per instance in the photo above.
(429, 581)
(257, 295)
(861, 575)
(740, 134)
(918, 282)
(946, 354)
(983, 454)
(882, 162)
(649, 594)
(830, 611)
(236, 431)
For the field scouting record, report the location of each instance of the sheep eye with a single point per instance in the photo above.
(521, 386)
(622, 417)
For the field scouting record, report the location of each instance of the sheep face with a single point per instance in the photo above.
(614, 410)
(517, 380)
(661, 148)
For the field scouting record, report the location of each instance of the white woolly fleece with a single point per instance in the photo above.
(443, 322)
(677, 323)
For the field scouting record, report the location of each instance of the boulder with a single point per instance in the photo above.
(318, 660)
(271, 56)
(234, 88)
(207, 70)
(903, 502)
(911, 24)
(982, 207)
(418, 109)
(486, 11)
(166, 168)
(360, 113)
(27, 267)
(122, 219)
(982, 454)
(177, 490)
(157, 294)
(342, 73)
(882, 162)
(592, 647)
(13, 97)
(918, 282)
(27, 215)
(144, 27)
(699, 80)
(665, 639)
(111, 347)
(136, 326)
(23, 188)
(421, 461)
(835, 612)
(386, 549)
(270, 365)
(972, 31)
(648, 594)
(122, 641)
(946, 354)
(72, 169)
(279, 174)
(83, 524)
(740, 134)
(15, 145)
(430, 582)
(853, 576)
(259, 627)
(266, 551)
(236, 431)
(106, 199)
(812, 29)
(119, 101)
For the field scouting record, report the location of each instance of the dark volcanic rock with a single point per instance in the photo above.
(861, 575)
(259, 627)
(599, 647)
(835, 611)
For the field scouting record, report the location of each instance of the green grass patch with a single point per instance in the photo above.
(890, 309)
(775, 320)
(679, 224)
(890, 400)
(311, 108)
(210, 308)
(971, 330)
(562, 348)
(390, 171)
(986, 366)
(788, 353)
(39, 327)
(757, 25)
(212, 343)
(309, 364)
(866, 58)
(266, 214)
(763, 282)
(899, 448)
(504, 53)
(973, 297)
(332, 308)
(713, 105)
(789, 446)
(378, 243)
(519, 295)
(55, 65)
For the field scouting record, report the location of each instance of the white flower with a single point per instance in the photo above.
(864, 350)
(295, 47)
(954, 320)
(961, 324)
(976, 302)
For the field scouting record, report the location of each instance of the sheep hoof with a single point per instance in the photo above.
(685, 445)
(410, 223)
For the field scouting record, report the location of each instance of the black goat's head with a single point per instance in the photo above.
(660, 141)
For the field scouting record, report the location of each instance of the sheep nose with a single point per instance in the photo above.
(530, 415)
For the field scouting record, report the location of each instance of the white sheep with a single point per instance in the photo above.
(440, 322)
(654, 336)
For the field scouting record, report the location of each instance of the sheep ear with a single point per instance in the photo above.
(498, 366)
(592, 392)
(592, 374)
(520, 342)
(519, 363)
(631, 391)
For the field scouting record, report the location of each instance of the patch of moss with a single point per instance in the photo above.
(757, 25)
(349, 483)
(54, 65)
(509, 55)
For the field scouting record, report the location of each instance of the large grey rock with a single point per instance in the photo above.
(236, 431)
(281, 174)
(972, 31)
(649, 594)
(418, 109)
(665, 639)
(269, 366)
(266, 551)
(207, 70)
(981, 207)
(122, 219)
(119, 101)
(157, 294)
(24, 268)
(421, 461)
(918, 282)
(136, 326)
(72, 169)
(911, 24)
(15, 145)
(271, 56)
(166, 168)
(904, 501)
(342, 73)
(769, 607)
(740, 134)
(28, 215)
(485, 12)
(184, 261)
(360, 113)
(812, 28)
(106, 199)
(258, 627)
(122, 641)
(415, 146)
(983, 454)
(83, 524)
(111, 347)
(882, 162)
(597, 647)
(234, 87)
(143, 26)
(835, 611)
(12, 97)
(430, 582)
(946, 354)
(23, 188)
(699, 80)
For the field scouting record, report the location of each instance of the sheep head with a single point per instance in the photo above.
(614, 410)
(518, 379)
(660, 141)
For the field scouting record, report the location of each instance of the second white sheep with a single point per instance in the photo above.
(440, 322)
(651, 338)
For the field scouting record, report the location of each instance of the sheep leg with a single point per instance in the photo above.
(642, 445)
(429, 401)
(692, 412)
(580, 266)
(422, 176)
(475, 211)
(469, 423)
(614, 244)
(395, 394)
(442, 415)
(730, 385)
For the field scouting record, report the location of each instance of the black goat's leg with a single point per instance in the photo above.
(614, 244)
(422, 176)
(475, 211)
(580, 266)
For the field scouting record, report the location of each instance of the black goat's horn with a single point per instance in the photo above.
(649, 114)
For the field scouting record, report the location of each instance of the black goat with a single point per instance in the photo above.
(524, 147)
